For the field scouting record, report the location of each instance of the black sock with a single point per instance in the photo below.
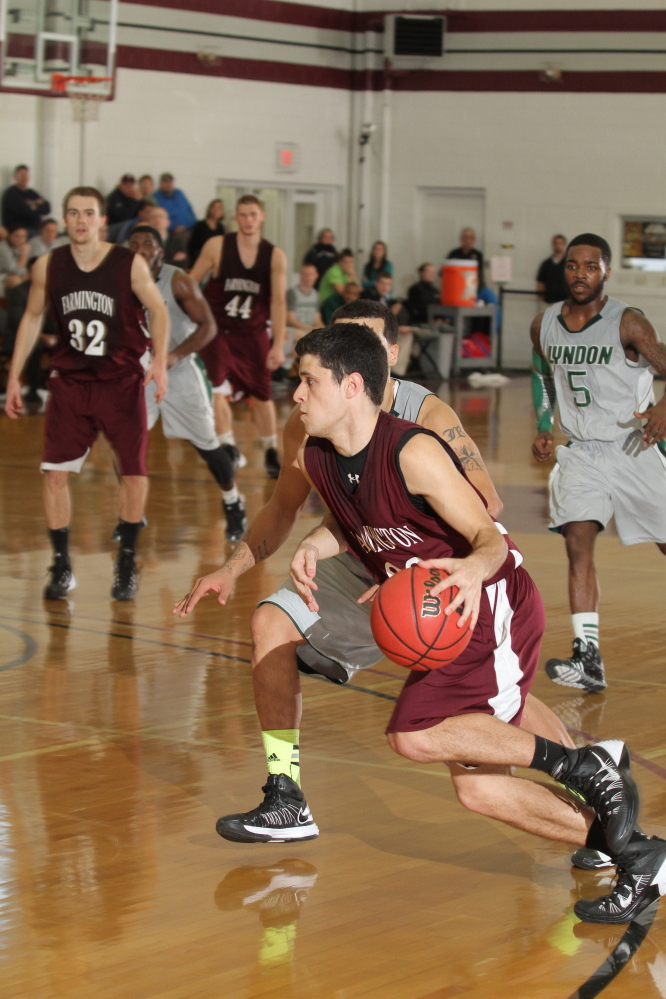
(220, 465)
(596, 839)
(129, 534)
(60, 541)
(548, 756)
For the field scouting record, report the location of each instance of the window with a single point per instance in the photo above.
(644, 243)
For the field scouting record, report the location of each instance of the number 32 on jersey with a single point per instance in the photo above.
(90, 339)
(234, 309)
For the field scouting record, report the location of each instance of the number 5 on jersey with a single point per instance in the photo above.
(234, 309)
(95, 331)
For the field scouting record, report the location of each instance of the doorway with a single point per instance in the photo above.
(294, 215)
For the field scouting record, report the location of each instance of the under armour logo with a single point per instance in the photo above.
(354, 479)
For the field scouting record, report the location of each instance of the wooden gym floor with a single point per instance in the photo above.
(126, 733)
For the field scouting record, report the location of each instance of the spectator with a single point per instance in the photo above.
(303, 302)
(381, 290)
(17, 300)
(551, 286)
(337, 276)
(147, 188)
(122, 204)
(21, 205)
(350, 292)
(421, 294)
(322, 254)
(14, 255)
(468, 251)
(141, 218)
(46, 239)
(174, 242)
(211, 225)
(376, 263)
(172, 199)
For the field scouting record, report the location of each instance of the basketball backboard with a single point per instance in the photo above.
(42, 37)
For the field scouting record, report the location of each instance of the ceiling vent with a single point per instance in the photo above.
(412, 42)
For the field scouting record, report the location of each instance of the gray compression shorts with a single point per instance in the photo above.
(341, 629)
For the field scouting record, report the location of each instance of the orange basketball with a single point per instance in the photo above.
(409, 624)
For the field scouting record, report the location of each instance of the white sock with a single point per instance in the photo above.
(227, 438)
(232, 495)
(586, 627)
(267, 442)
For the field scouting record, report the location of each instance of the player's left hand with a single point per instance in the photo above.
(274, 358)
(157, 372)
(655, 428)
(465, 573)
(303, 569)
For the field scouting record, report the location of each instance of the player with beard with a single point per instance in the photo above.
(594, 356)
(247, 295)
(186, 411)
(96, 293)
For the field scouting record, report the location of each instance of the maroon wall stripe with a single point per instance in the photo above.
(312, 16)
(306, 15)
(131, 57)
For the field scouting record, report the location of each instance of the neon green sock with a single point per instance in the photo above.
(282, 752)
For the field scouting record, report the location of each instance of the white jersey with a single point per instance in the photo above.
(597, 387)
(180, 324)
(408, 399)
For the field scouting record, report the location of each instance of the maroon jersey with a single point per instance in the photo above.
(240, 296)
(383, 525)
(100, 323)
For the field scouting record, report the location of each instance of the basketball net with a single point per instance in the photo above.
(85, 93)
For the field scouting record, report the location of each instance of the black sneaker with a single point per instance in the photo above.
(124, 580)
(236, 520)
(584, 670)
(271, 462)
(282, 816)
(238, 460)
(641, 881)
(587, 859)
(62, 579)
(601, 773)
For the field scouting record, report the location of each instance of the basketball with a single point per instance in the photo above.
(409, 624)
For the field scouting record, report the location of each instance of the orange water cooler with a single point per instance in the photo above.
(460, 282)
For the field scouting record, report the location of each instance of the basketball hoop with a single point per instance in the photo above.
(86, 93)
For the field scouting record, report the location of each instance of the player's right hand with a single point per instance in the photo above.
(13, 399)
(542, 448)
(303, 569)
(219, 582)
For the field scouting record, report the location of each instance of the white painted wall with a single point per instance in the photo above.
(200, 129)
(548, 163)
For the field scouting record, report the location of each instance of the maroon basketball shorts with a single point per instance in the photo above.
(494, 673)
(77, 411)
(240, 359)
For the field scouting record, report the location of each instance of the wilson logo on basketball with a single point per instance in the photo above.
(431, 606)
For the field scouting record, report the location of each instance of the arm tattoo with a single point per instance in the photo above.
(469, 459)
(452, 433)
(242, 554)
(641, 335)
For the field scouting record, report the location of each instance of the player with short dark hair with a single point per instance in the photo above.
(96, 293)
(335, 641)
(186, 410)
(397, 496)
(594, 356)
(247, 295)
